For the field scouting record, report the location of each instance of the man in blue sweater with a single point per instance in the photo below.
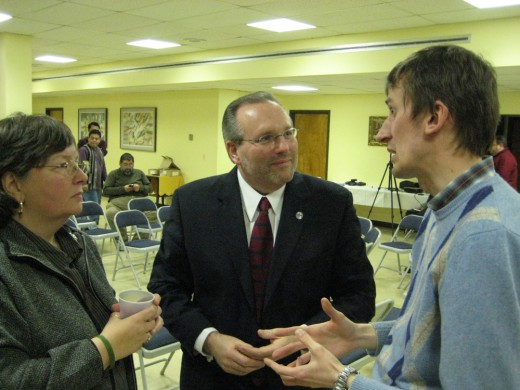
(460, 323)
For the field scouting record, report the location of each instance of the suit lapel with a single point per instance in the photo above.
(231, 222)
(289, 231)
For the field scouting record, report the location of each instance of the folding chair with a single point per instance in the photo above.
(133, 219)
(93, 209)
(406, 272)
(71, 223)
(366, 225)
(371, 239)
(385, 311)
(402, 240)
(163, 213)
(146, 205)
(162, 343)
(85, 223)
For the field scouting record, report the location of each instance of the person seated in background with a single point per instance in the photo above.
(504, 161)
(459, 327)
(59, 321)
(122, 185)
(102, 144)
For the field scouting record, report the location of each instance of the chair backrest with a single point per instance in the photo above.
(411, 222)
(143, 204)
(127, 218)
(409, 225)
(91, 208)
(70, 222)
(163, 213)
(366, 225)
(371, 239)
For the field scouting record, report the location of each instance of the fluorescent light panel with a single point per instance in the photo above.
(50, 58)
(281, 25)
(295, 88)
(492, 3)
(4, 17)
(153, 44)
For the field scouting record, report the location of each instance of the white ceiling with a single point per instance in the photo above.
(96, 31)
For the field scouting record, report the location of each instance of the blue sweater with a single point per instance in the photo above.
(460, 324)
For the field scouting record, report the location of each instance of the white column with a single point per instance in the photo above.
(15, 74)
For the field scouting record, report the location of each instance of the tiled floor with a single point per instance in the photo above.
(386, 282)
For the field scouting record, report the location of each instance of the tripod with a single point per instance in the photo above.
(392, 187)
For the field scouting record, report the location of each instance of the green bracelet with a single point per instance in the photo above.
(108, 346)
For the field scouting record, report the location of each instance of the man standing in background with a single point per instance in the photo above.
(92, 156)
(102, 144)
(504, 161)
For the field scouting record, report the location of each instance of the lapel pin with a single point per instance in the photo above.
(299, 215)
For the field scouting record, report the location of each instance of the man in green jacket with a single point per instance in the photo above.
(122, 185)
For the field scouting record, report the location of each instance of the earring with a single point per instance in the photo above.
(20, 209)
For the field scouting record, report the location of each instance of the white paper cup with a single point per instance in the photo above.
(133, 301)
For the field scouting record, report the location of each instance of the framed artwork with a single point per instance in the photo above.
(374, 124)
(138, 128)
(87, 115)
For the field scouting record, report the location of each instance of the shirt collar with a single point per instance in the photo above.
(474, 174)
(251, 198)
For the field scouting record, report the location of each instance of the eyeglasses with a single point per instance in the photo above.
(70, 168)
(288, 135)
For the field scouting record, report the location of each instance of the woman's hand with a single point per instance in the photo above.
(127, 335)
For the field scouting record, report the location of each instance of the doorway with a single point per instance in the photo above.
(56, 113)
(313, 141)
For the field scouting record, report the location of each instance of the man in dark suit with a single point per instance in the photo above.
(203, 270)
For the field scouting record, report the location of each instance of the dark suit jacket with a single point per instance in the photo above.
(202, 269)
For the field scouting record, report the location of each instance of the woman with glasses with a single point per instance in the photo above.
(59, 325)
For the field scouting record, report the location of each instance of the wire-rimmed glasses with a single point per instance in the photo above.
(270, 139)
(69, 167)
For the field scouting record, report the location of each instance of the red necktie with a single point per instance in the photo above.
(260, 254)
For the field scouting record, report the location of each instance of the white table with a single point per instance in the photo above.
(364, 197)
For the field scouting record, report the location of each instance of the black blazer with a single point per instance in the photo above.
(202, 268)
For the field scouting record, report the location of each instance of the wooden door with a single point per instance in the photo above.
(313, 141)
(56, 113)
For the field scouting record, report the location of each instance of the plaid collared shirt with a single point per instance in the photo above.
(474, 174)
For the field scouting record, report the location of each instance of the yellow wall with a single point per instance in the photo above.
(200, 113)
(178, 115)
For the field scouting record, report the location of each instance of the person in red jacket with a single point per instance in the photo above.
(505, 161)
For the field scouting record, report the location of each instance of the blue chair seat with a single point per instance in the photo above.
(141, 243)
(400, 245)
(161, 344)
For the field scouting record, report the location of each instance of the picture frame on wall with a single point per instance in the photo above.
(139, 128)
(87, 115)
(374, 124)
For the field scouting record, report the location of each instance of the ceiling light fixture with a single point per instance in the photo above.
(281, 25)
(295, 88)
(153, 44)
(492, 3)
(57, 59)
(4, 17)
